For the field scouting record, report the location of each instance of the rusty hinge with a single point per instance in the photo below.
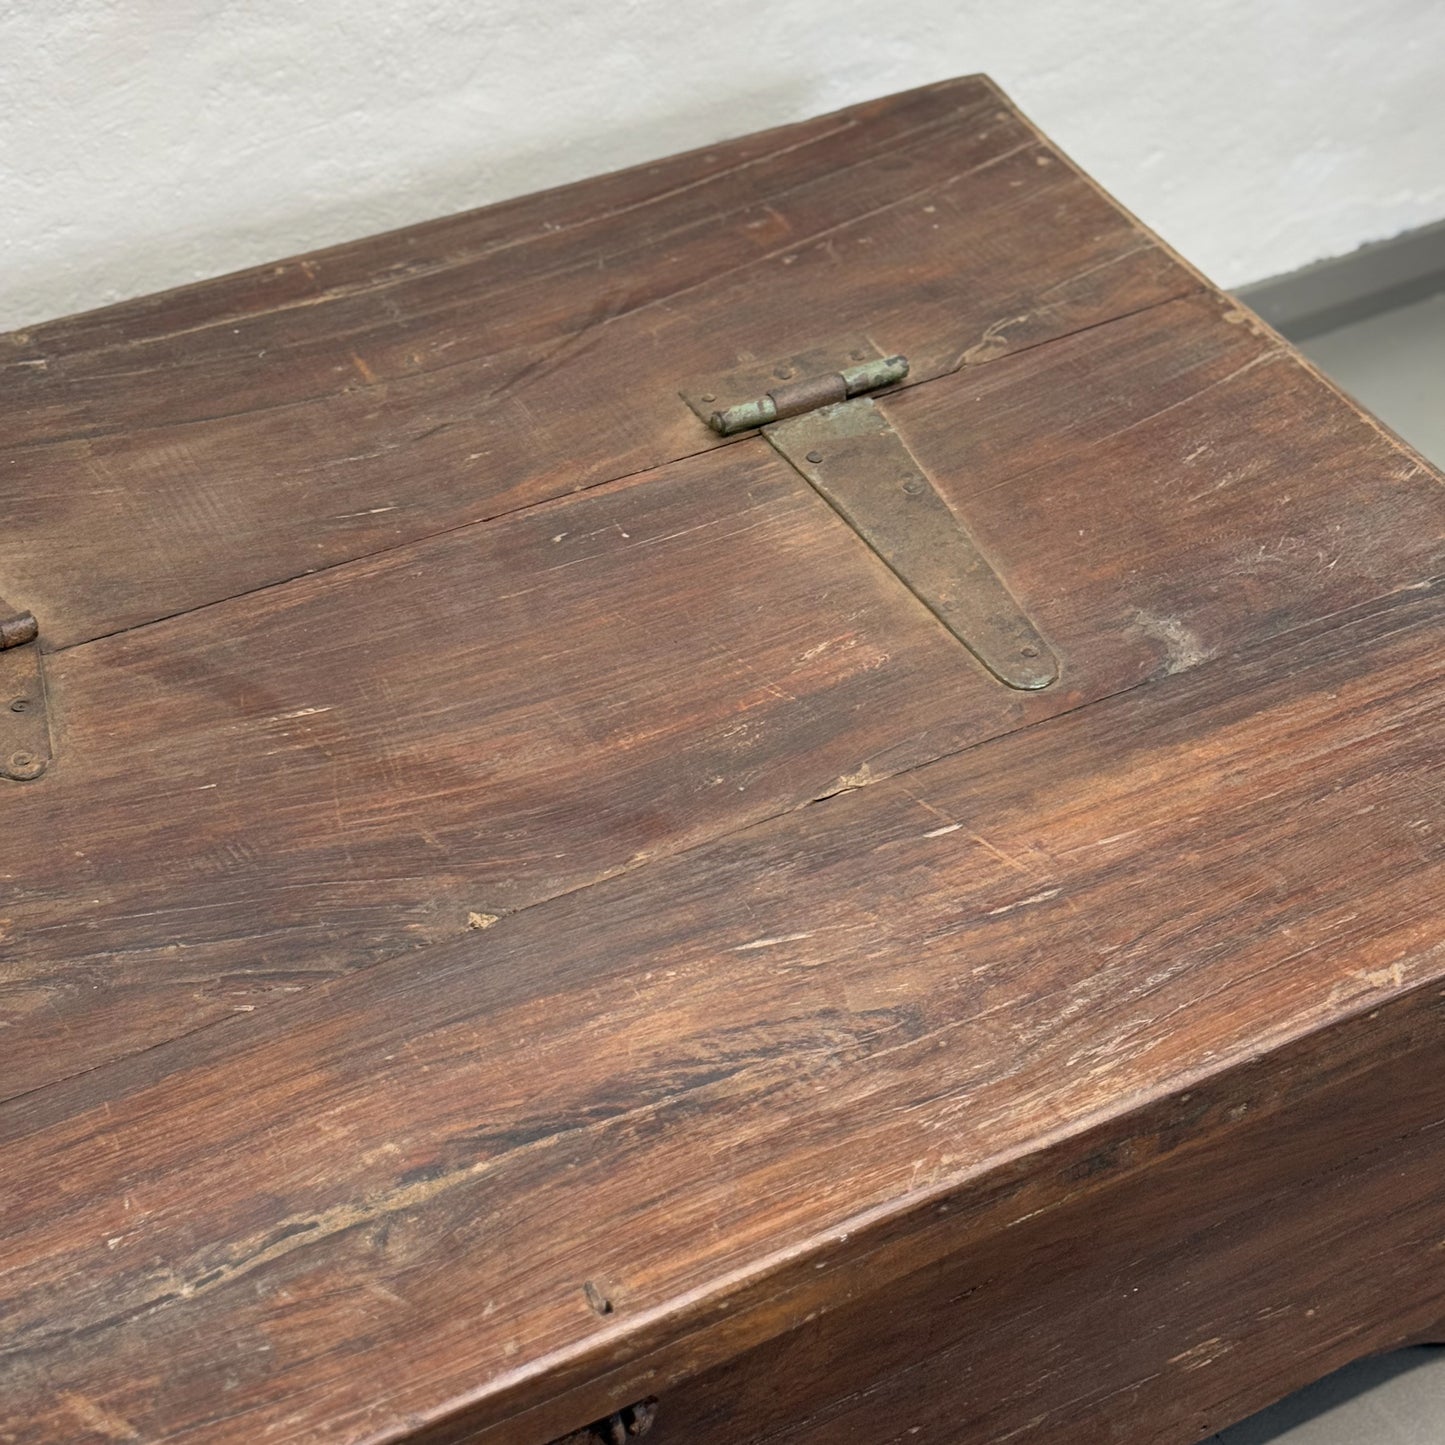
(793, 397)
(24, 730)
(816, 415)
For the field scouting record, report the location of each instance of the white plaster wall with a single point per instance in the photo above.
(149, 142)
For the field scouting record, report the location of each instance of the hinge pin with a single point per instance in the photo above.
(18, 630)
(795, 397)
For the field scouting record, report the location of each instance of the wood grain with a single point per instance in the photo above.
(1207, 1284)
(735, 1084)
(336, 770)
(528, 914)
(175, 451)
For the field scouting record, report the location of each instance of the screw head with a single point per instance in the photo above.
(24, 766)
(913, 486)
(1029, 651)
(707, 396)
(815, 457)
(783, 372)
(21, 704)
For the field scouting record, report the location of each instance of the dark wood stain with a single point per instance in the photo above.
(1293, 1236)
(369, 760)
(598, 938)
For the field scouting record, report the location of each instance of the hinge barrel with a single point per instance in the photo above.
(16, 631)
(793, 398)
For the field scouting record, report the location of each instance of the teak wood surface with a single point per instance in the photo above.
(528, 915)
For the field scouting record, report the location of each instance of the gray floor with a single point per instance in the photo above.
(1394, 364)
(1396, 1399)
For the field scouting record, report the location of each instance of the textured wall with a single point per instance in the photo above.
(149, 142)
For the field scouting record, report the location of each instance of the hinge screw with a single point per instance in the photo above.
(21, 704)
(815, 457)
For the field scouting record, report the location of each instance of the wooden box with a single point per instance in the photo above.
(528, 914)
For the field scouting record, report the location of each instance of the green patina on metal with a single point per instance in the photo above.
(795, 397)
(870, 375)
(746, 415)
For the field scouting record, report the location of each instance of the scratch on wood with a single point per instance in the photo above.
(1113, 260)
(1263, 359)
(771, 942)
(1026, 902)
(994, 339)
(1202, 1354)
(849, 782)
(1007, 859)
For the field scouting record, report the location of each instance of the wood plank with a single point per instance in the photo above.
(180, 450)
(530, 280)
(726, 1087)
(315, 777)
(1165, 1306)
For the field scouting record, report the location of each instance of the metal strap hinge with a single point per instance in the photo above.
(836, 437)
(24, 731)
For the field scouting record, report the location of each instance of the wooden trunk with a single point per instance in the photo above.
(528, 917)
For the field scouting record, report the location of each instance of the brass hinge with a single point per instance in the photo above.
(24, 731)
(817, 415)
